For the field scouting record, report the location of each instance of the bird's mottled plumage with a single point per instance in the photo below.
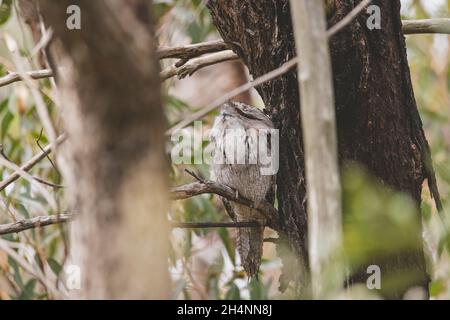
(246, 178)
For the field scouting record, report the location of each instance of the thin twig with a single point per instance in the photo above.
(41, 107)
(33, 223)
(211, 187)
(48, 183)
(38, 142)
(32, 162)
(427, 26)
(188, 68)
(185, 53)
(44, 221)
(35, 75)
(193, 50)
(206, 225)
(25, 175)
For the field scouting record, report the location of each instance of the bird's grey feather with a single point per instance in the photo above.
(246, 178)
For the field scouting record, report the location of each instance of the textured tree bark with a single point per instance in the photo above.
(378, 121)
(260, 32)
(116, 170)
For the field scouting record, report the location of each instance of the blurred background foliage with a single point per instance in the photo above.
(204, 263)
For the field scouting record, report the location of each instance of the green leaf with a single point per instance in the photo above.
(4, 104)
(257, 290)
(228, 244)
(436, 287)
(55, 266)
(28, 290)
(17, 276)
(233, 293)
(5, 11)
(6, 122)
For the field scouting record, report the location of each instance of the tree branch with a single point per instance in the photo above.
(15, 77)
(44, 221)
(202, 187)
(34, 223)
(178, 193)
(192, 50)
(191, 66)
(206, 225)
(426, 26)
(284, 68)
(184, 67)
(32, 162)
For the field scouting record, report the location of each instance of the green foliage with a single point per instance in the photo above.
(5, 11)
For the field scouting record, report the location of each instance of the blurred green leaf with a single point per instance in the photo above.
(233, 293)
(6, 122)
(5, 11)
(28, 290)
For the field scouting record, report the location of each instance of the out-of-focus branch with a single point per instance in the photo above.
(15, 77)
(191, 66)
(44, 221)
(206, 225)
(192, 50)
(34, 223)
(32, 162)
(426, 26)
(186, 67)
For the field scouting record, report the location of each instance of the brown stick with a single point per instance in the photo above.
(192, 50)
(15, 77)
(33, 223)
(191, 66)
(43, 221)
(426, 26)
(206, 225)
(32, 162)
(202, 187)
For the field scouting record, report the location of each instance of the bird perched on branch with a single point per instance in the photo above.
(240, 136)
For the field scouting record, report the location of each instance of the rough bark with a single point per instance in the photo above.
(260, 33)
(115, 170)
(378, 122)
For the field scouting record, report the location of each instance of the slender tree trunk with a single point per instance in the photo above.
(110, 90)
(377, 118)
(320, 141)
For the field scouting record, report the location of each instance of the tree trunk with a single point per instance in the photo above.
(117, 172)
(377, 118)
(320, 143)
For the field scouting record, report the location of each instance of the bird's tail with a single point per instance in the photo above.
(250, 247)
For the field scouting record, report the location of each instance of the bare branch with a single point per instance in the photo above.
(287, 66)
(34, 223)
(192, 50)
(206, 225)
(191, 66)
(426, 26)
(32, 162)
(15, 77)
(202, 187)
(44, 221)
(185, 53)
